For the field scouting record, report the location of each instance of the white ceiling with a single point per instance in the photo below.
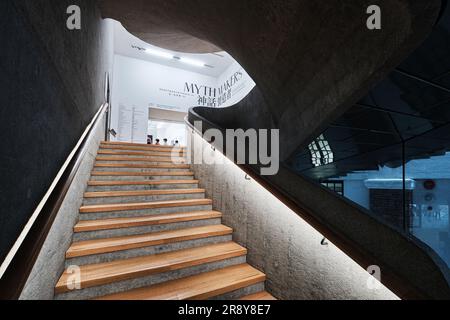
(127, 45)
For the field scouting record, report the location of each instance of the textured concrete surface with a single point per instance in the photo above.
(129, 199)
(139, 213)
(142, 187)
(280, 243)
(50, 262)
(139, 178)
(148, 280)
(80, 236)
(118, 169)
(51, 85)
(234, 295)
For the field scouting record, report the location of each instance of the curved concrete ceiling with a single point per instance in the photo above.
(177, 42)
(311, 60)
(147, 21)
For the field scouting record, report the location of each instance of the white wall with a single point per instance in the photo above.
(233, 85)
(139, 85)
(145, 84)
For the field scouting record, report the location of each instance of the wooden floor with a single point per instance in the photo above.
(174, 248)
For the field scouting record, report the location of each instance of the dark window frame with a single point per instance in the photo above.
(333, 185)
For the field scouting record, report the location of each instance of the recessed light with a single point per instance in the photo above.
(158, 53)
(192, 62)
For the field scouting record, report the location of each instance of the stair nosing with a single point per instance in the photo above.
(97, 183)
(145, 240)
(138, 193)
(124, 272)
(144, 205)
(141, 166)
(142, 173)
(203, 292)
(148, 159)
(264, 293)
(118, 152)
(169, 218)
(120, 143)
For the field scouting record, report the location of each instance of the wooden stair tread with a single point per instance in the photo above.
(139, 145)
(135, 144)
(90, 247)
(107, 194)
(142, 148)
(136, 153)
(104, 273)
(106, 224)
(202, 286)
(148, 173)
(144, 205)
(263, 295)
(148, 159)
(134, 165)
(136, 183)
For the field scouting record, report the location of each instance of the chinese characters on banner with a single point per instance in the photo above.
(214, 97)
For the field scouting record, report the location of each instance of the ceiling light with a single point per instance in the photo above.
(192, 62)
(158, 53)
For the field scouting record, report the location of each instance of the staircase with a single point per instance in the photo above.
(146, 231)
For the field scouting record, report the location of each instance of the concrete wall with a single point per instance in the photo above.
(280, 243)
(51, 85)
(50, 263)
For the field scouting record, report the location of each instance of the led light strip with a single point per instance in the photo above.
(26, 229)
(168, 55)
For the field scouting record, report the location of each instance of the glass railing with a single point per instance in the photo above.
(400, 178)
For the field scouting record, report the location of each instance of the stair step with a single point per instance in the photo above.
(90, 247)
(142, 159)
(114, 167)
(122, 175)
(140, 148)
(109, 194)
(133, 196)
(263, 295)
(120, 143)
(142, 166)
(128, 185)
(148, 173)
(138, 183)
(164, 154)
(144, 205)
(141, 145)
(104, 273)
(107, 224)
(202, 286)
